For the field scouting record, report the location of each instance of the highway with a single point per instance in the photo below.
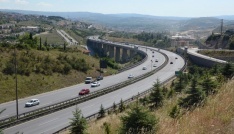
(55, 121)
(53, 97)
(67, 37)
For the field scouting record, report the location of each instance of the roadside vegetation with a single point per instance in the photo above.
(43, 68)
(187, 105)
(159, 40)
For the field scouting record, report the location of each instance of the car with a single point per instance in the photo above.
(130, 76)
(154, 65)
(32, 102)
(176, 58)
(144, 68)
(88, 80)
(84, 91)
(152, 55)
(95, 84)
(100, 77)
(156, 60)
(153, 51)
(171, 62)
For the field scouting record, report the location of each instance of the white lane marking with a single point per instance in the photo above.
(47, 122)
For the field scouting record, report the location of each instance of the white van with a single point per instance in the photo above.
(88, 80)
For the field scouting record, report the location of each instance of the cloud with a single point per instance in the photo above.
(4, 1)
(22, 2)
(44, 4)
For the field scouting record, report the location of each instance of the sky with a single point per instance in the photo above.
(178, 8)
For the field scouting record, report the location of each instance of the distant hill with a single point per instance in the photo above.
(138, 22)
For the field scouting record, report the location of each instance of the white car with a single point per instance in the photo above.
(154, 65)
(130, 76)
(95, 84)
(144, 68)
(32, 102)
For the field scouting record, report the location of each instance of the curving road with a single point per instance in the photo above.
(55, 121)
(53, 97)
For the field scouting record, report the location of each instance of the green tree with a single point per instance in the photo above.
(195, 98)
(107, 128)
(175, 112)
(138, 120)
(64, 46)
(228, 70)
(102, 112)
(78, 123)
(121, 106)
(209, 85)
(114, 107)
(40, 43)
(156, 97)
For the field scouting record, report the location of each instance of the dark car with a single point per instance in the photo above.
(171, 62)
(84, 91)
(99, 78)
(176, 58)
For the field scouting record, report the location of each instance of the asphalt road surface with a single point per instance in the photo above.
(55, 121)
(63, 94)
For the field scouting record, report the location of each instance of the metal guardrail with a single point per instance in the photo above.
(68, 103)
(95, 115)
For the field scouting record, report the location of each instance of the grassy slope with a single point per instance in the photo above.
(38, 83)
(215, 117)
(52, 38)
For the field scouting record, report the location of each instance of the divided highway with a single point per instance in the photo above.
(55, 121)
(53, 97)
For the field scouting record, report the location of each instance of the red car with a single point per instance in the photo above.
(84, 91)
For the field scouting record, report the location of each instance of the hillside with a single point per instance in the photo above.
(224, 41)
(138, 22)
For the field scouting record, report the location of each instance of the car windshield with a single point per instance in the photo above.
(30, 101)
(88, 78)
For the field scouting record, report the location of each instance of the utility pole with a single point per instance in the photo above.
(221, 27)
(16, 86)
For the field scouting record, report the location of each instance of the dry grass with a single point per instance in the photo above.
(216, 117)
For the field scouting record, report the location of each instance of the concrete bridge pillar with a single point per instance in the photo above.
(104, 47)
(111, 51)
(132, 53)
(117, 54)
(125, 55)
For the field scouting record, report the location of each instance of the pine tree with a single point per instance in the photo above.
(78, 123)
(121, 106)
(114, 107)
(175, 112)
(156, 97)
(228, 70)
(195, 98)
(209, 85)
(40, 43)
(102, 112)
(138, 120)
(107, 128)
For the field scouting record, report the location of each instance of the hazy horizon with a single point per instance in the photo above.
(171, 8)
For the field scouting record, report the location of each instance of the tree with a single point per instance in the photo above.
(138, 120)
(78, 123)
(228, 70)
(156, 97)
(175, 112)
(40, 43)
(114, 107)
(195, 98)
(209, 85)
(64, 46)
(121, 106)
(107, 128)
(102, 112)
